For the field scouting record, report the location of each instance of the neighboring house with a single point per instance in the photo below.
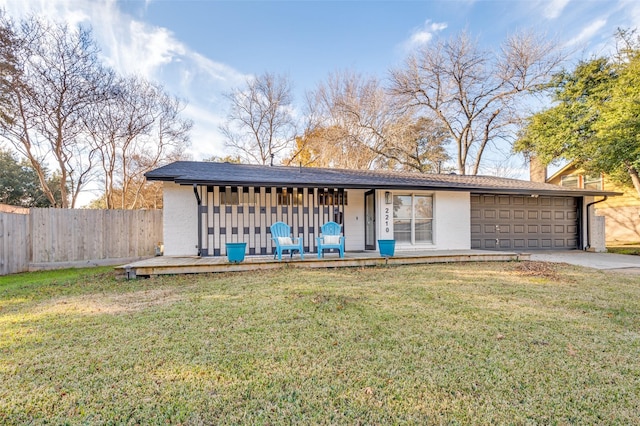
(208, 204)
(622, 214)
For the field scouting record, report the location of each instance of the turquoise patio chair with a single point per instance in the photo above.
(330, 238)
(281, 236)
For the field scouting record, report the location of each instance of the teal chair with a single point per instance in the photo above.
(281, 236)
(330, 238)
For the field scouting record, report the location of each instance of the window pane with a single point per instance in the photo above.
(593, 182)
(569, 181)
(424, 232)
(402, 230)
(402, 206)
(424, 207)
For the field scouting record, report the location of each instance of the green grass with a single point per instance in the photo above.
(489, 343)
(624, 250)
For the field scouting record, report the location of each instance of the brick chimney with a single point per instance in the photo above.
(537, 170)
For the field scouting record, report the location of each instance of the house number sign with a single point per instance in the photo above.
(386, 220)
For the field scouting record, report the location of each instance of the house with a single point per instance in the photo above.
(207, 204)
(622, 214)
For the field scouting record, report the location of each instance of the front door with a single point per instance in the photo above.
(370, 220)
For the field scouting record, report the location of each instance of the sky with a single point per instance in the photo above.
(201, 49)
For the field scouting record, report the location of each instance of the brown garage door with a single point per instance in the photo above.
(515, 222)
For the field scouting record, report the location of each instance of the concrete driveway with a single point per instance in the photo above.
(605, 261)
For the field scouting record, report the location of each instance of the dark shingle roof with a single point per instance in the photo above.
(228, 174)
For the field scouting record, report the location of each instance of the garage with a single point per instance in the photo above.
(520, 222)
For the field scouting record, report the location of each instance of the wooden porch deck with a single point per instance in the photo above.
(170, 265)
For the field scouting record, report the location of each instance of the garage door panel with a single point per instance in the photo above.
(504, 244)
(489, 244)
(524, 223)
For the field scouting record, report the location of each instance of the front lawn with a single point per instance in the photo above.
(629, 249)
(480, 343)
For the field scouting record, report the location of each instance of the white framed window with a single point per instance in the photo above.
(413, 218)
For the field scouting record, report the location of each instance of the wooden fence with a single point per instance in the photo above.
(58, 238)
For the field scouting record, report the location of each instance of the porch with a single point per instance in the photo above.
(170, 265)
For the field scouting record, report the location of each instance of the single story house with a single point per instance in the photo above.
(208, 204)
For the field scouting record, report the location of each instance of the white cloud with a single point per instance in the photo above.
(587, 32)
(132, 46)
(554, 8)
(423, 35)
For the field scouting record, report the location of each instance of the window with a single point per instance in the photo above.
(413, 218)
(582, 181)
(593, 182)
(570, 181)
(229, 196)
(283, 197)
(288, 197)
(332, 198)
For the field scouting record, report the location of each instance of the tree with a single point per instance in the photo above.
(134, 130)
(594, 120)
(474, 94)
(19, 184)
(260, 125)
(147, 196)
(65, 109)
(418, 146)
(57, 79)
(354, 123)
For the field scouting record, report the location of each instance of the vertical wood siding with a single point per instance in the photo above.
(14, 243)
(50, 236)
(257, 208)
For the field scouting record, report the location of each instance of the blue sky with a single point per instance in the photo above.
(200, 49)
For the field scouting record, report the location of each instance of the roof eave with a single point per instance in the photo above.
(429, 187)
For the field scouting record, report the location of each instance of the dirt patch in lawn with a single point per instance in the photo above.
(547, 270)
(97, 304)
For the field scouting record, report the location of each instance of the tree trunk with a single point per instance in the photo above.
(635, 178)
